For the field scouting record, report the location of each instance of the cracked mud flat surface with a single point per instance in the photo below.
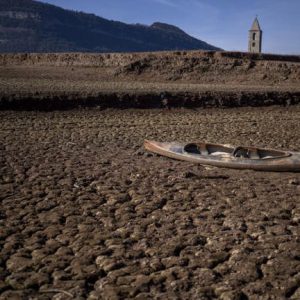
(87, 213)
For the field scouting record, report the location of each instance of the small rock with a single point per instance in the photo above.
(4, 286)
(107, 264)
(189, 174)
(294, 181)
(18, 264)
(232, 295)
(8, 179)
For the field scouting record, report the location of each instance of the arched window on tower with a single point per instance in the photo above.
(253, 36)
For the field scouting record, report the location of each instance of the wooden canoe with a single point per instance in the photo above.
(228, 156)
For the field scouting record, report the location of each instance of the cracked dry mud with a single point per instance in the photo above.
(87, 213)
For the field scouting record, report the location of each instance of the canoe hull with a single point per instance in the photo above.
(289, 163)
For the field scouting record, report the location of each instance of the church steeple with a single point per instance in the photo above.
(255, 37)
(255, 25)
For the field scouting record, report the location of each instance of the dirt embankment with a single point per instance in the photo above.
(193, 79)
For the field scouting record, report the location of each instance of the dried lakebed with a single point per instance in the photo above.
(87, 213)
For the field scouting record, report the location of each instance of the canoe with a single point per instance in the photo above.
(228, 156)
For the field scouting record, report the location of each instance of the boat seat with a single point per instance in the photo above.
(245, 152)
(202, 149)
(196, 148)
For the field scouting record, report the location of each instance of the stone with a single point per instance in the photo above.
(18, 264)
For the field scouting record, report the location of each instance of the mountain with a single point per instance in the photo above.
(31, 26)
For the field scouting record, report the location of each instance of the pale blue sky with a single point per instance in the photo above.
(223, 23)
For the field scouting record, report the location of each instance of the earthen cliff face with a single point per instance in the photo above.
(147, 80)
(177, 66)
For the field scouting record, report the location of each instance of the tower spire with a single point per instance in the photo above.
(255, 25)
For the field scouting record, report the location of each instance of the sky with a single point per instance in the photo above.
(222, 23)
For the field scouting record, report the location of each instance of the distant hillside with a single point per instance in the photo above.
(31, 26)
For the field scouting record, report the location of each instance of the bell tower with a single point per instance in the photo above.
(255, 37)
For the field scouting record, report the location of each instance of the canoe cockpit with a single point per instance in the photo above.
(238, 152)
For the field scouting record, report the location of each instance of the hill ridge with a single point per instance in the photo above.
(32, 26)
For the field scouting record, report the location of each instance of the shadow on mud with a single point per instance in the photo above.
(206, 99)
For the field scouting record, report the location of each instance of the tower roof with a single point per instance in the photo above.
(255, 25)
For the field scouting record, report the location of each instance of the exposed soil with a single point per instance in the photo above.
(87, 213)
(148, 80)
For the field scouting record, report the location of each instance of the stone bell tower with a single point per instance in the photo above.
(255, 37)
